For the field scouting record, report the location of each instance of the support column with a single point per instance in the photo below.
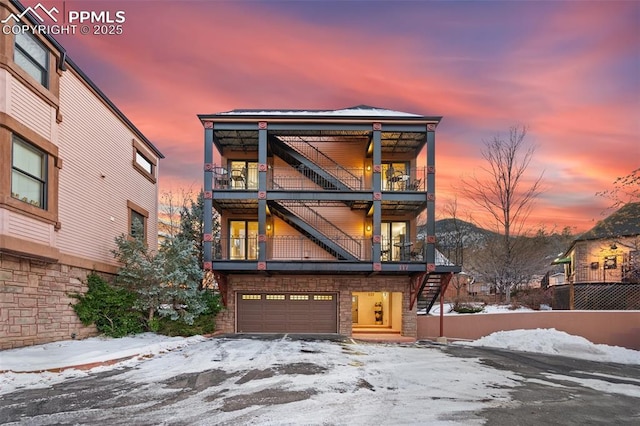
(430, 187)
(377, 195)
(208, 196)
(262, 195)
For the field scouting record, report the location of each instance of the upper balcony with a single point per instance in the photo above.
(402, 191)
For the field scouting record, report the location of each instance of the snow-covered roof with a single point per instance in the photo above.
(355, 111)
(362, 110)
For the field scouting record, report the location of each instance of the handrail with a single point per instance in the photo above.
(324, 226)
(313, 154)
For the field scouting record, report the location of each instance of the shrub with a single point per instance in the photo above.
(533, 297)
(110, 308)
(205, 323)
(167, 282)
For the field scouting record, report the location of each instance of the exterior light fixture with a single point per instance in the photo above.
(268, 227)
(368, 228)
(614, 246)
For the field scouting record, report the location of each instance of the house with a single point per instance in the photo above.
(318, 213)
(605, 256)
(74, 174)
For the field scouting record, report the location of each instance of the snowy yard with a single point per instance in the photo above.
(285, 381)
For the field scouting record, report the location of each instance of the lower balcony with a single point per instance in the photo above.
(295, 253)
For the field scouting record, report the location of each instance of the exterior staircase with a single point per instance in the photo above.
(315, 165)
(429, 290)
(318, 229)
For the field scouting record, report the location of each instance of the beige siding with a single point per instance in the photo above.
(29, 109)
(23, 227)
(97, 177)
(351, 222)
(349, 154)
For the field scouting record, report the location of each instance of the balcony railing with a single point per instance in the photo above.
(311, 179)
(300, 248)
(306, 179)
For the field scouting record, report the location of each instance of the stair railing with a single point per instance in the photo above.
(316, 156)
(324, 226)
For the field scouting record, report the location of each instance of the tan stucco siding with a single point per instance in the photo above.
(97, 177)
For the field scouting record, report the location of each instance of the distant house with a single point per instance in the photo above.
(318, 214)
(602, 266)
(607, 253)
(74, 174)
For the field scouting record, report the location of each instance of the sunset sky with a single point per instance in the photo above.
(568, 70)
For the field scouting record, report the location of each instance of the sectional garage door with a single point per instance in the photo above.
(287, 313)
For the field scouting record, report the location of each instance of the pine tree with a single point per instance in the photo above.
(167, 283)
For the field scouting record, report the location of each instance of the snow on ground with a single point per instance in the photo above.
(554, 342)
(26, 367)
(488, 309)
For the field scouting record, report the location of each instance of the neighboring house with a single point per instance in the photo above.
(607, 253)
(74, 174)
(602, 266)
(318, 213)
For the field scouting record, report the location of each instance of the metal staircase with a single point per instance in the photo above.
(317, 228)
(315, 165)
(428, 289)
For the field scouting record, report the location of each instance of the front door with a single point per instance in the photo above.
(354, 309)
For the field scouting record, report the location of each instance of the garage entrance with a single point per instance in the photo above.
(287, 312)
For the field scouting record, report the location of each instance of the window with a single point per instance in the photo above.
(396, 245)
(244, 174)
(32, 57)
(29, 174)
(251, 297)
(243, 237)
(143, 162)
(395, 176)
(299, 297)
(137, 221)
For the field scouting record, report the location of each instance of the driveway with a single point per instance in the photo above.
(306, 380)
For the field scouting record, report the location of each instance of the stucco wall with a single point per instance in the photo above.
(615, 328)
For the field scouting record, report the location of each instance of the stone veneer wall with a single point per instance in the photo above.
(343, 285)
(34, 304)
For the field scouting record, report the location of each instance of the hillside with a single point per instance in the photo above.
(447, 233)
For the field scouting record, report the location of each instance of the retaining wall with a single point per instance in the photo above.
(614, 328)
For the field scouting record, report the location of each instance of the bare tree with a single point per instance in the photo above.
(503, 191)
(171, 204)
(626, 189)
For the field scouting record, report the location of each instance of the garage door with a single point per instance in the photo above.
(287, 313)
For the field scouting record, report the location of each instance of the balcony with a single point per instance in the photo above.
(302, 249)
(314, 178)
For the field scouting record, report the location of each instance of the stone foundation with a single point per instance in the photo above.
(343, 285)
(35, 306)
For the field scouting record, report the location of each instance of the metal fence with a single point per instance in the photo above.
(601, 296)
